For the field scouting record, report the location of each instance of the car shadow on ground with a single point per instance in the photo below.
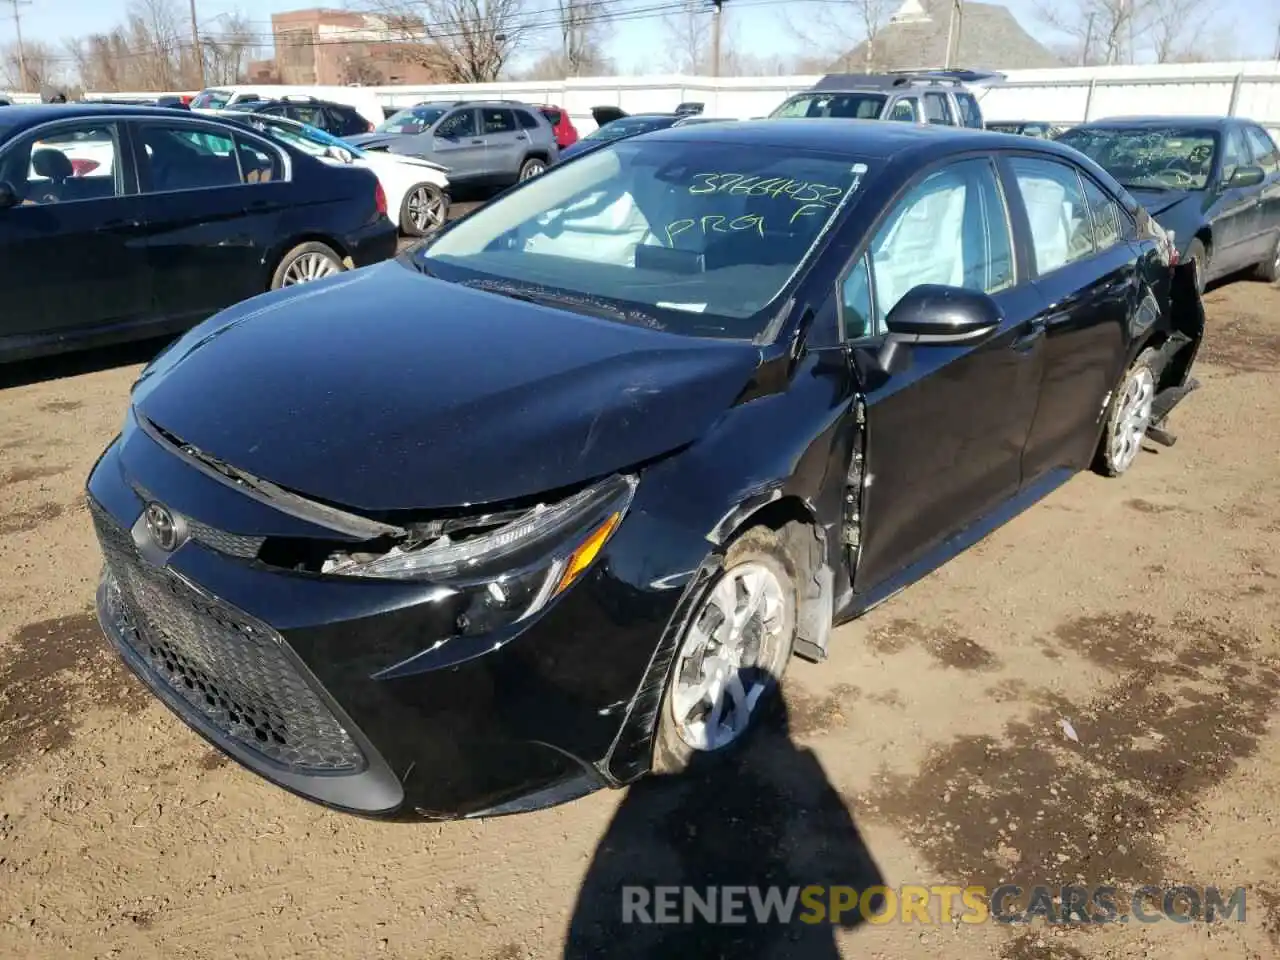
(766, 817)
(75, 363)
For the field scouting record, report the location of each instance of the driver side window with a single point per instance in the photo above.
(951, 229)
(1234, 153)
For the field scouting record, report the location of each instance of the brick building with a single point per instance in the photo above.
(337, 47)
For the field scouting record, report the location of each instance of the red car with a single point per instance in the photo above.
(566, 132)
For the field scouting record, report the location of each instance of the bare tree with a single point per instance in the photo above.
(687, 32)
(360, 68)
(228, 51)
(1177, 28)
(828, 31)
(1104, 31)
(468, 41)
(44, 67)
(584, 31)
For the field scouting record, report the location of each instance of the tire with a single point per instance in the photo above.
(306, 262)
(1268, 271)
(1128, 416)
(758, 553)
(531, 168)
(424, 210)
(1196, 251)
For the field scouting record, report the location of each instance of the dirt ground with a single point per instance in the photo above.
(929, 749)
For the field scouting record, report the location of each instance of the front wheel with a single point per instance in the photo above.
(304, 263)
(732, 656)
(423, 210)
(1128, 417)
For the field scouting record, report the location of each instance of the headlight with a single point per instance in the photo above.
(510, 570)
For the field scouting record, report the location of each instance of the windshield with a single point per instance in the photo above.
(1151, 157)
(848, 106)
(629, 127)
(211, 99)
(698, 237)
(411, 120)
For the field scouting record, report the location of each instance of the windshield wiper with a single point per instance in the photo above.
(587, 305)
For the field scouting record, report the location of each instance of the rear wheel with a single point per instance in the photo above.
(1128, 416)
(1269, 269)
(304, 263)
(423, 210)
(532, 167)
(733, 653)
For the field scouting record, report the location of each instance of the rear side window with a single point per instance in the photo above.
(904, 110)
(1106, 215)
(188, 158)
(498, 121)
(1265, 152)
(970, 115)
(936, 109)
(1061, 231)
(527, 120)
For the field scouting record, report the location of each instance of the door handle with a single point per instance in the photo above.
(1029, 339)
(521, 136)
(477, 143)
(121, 224)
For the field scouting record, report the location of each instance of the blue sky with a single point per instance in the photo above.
(758, 26)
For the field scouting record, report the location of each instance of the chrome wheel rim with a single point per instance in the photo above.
(1275, 264)
(531, 170)
(730, 657)
(308, 267)
(1133, 418)
(426, 209)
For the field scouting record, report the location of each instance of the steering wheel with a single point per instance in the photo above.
(1178, 168)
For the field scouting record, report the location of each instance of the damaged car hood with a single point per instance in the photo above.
(385, 390)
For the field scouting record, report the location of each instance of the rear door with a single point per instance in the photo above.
(212, 208)
(1087, 274)
(505, 144)
(945, 435)
(457, 143)
(72, 252)
(937, 110)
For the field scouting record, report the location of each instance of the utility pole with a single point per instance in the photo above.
(953, 35)
(22, 53)
(717, 17)
(1088, 43)
(196, 51)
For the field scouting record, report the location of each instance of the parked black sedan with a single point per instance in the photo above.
(1214, 182)
(126, 222)
(560, 509)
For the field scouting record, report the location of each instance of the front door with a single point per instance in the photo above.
(457, 143)
(1087, 273)
(71, 250)
(1234, 212)
(944, 435)
(210, 209)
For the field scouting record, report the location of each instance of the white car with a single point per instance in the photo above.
(417, 189)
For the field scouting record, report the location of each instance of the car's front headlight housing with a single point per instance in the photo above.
(504, 567)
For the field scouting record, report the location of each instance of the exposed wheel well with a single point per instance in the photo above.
(1205, 236)
(536, 155)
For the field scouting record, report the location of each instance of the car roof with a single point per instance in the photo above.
(29, 115)
(1150, 121)
(866, 138)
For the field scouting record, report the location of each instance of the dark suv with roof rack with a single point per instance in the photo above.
(338, 119)
(930, 96)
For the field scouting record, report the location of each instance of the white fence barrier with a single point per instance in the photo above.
(1067, 95)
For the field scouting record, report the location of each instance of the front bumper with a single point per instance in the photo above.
(336, 688)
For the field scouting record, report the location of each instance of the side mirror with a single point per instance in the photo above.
(933, 314)
(8, 196)
(1246, 177)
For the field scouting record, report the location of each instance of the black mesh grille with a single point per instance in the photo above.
(224, 665)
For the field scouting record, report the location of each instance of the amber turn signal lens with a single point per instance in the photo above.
(586, 552)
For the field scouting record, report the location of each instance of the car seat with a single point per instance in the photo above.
(55, 166)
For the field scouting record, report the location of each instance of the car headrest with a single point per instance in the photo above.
(53, 164)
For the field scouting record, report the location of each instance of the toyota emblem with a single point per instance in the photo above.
(162, 527)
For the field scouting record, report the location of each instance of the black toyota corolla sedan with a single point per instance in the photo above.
(551, 501)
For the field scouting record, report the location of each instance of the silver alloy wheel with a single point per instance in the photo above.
(729, 657)
(308, 267)
(1133, 418)
(1275, 263)
(531, 169)
(426, 209)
